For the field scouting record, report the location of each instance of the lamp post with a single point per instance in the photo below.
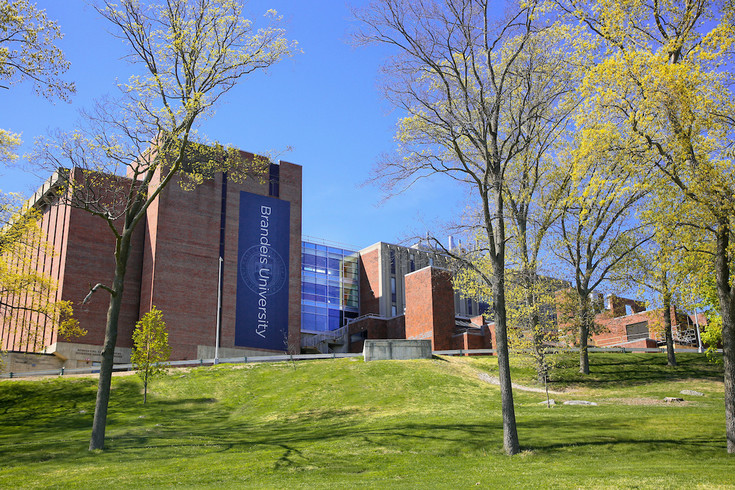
(219, 310)
(700, 348)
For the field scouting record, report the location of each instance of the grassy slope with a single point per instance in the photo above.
(381, 424)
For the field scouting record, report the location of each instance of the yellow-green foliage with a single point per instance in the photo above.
(150, 346)
(712, 336)
(27, 49)
(28, 52)
(27, 296)
(660, 93)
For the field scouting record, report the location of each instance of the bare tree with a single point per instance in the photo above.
(455, 77)
(190, 53)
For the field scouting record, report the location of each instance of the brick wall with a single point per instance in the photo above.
(430, 307)
(370, 282)
(182, 255)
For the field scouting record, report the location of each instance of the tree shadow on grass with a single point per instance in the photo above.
(550, 435)
(635, 369)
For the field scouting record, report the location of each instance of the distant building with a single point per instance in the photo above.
(627, 323)
(406, 292)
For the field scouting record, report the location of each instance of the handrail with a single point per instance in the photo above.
(301, 357)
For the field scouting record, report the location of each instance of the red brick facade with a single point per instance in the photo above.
(370, 282)
(173, 265)
(430, 307)
(429, 313)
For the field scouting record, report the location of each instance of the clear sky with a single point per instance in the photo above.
(324, 103)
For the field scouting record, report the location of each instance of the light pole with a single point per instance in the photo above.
(219, 310)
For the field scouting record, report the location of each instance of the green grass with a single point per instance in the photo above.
(398, 424)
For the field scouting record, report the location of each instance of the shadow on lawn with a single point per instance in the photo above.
(635, 369)
(551, 434)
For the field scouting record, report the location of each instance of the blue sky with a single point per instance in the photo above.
(324, 103)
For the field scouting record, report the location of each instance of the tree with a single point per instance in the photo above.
(663, 266)
(28, 52)
(150, 347)
(663, 83)
(190, 53)
(597, 231)
(28, 297)
(465, 117)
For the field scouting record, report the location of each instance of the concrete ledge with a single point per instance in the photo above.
(397, 349)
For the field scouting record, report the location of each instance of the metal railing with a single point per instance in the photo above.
(304, 357)
(192, 362)
(315, 340)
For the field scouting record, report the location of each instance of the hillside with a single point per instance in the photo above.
(337, 423)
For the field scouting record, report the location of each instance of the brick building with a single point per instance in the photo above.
(627, 323)
(197, 249)
(175, 265)
(407, 293)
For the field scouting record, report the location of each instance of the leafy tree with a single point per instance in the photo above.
(460, 78)
(28, 298)
(597, 232)
(189, 54)
(150, 347)
(534, 331)
(28, 52)
(663, 266)
(664, 83)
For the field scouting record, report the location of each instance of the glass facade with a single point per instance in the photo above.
(330, 279)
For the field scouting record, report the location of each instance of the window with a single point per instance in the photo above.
(274, 180)
(637, 330)
(393, 289)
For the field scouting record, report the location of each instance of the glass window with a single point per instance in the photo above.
(308, 259)
(335, 317)
(308, 322)
(392, 262)
(322, 323)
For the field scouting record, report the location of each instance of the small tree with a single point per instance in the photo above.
(150, 347)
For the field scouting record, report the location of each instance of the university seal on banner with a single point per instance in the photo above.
(263, 270)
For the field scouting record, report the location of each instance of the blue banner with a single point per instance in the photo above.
(262, 277)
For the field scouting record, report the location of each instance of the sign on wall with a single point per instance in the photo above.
(262, 276)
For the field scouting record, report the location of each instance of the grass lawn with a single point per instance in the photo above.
(387, 424)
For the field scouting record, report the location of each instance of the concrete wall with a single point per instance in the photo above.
(393, 349)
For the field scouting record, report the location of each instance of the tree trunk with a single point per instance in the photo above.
(667, 330)
(108, 352)
(726, 296)
(584, 332)
(510, 432)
